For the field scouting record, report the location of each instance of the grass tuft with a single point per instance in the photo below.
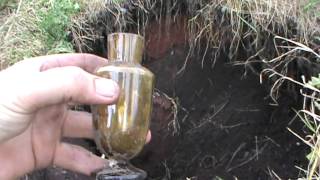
(34, 28)
(54, 23)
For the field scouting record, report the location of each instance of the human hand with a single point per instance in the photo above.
(34, 115)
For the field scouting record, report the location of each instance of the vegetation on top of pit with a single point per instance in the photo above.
(33, 28)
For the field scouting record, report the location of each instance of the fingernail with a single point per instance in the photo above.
(106, 87)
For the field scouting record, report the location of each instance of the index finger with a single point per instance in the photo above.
(87, 62)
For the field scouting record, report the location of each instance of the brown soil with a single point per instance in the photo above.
(227, 126)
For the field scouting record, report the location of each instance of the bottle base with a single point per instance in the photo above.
(121, 171)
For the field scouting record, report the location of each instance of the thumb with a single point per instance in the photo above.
(66, 84)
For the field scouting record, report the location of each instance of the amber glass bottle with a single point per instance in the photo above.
(121, 129)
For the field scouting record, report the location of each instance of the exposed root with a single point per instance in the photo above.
(174, 109)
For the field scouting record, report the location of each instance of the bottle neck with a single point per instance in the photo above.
(125, 47)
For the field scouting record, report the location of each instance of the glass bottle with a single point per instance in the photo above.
(121, 129)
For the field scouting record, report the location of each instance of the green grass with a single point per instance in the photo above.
(54, 23)
(4, 3)
(315, 82)
(313, 6)
(35, 27)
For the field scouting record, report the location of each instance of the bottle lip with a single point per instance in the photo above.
(125, 47)
(127, 33)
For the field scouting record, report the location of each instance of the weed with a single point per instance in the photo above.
(33, 28)
(313, 6)
(54, 23)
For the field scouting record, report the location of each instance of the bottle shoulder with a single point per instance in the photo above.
(125, 67)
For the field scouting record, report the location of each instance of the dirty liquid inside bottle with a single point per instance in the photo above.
(121, 129)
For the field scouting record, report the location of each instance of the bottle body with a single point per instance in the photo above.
(121, 129)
